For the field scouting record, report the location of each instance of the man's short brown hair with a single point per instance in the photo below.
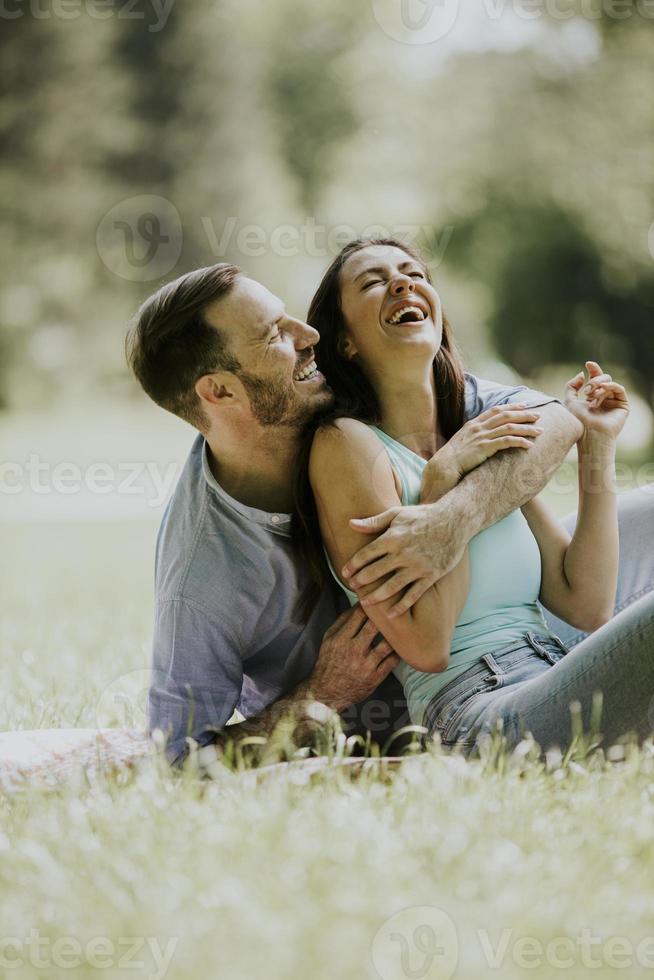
(171, 344)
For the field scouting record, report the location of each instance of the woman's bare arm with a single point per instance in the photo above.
(579, 578)
(351, 475)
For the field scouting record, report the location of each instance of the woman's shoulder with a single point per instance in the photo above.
(350, 471)
(343, 431)
(344, 442)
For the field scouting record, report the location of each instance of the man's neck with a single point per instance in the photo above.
(256, 468)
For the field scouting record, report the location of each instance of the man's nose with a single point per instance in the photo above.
(305, 335)
(401, 285)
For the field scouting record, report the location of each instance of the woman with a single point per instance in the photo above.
(475, 649)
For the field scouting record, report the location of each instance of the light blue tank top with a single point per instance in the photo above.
(505, 579)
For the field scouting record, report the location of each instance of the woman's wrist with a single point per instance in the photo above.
(439, 477)
(598, 445)
(596, 451)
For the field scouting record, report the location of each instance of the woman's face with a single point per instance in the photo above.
(390, 308)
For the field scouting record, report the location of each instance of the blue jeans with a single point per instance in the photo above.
(529, 686)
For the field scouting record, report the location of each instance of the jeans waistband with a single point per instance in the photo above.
(544, 646)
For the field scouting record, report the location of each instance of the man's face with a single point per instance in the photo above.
(275, 351)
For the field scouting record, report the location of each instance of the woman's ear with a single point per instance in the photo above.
(346, 347)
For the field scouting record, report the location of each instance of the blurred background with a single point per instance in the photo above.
(512, 141)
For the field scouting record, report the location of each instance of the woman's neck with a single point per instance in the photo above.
(409, 410)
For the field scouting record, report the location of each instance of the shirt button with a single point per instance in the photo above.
(275, 518)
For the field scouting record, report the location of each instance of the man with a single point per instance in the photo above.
(218, 349)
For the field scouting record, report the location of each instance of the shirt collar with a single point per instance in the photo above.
(275, 521)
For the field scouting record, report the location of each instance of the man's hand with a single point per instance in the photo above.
(495, 430)
(421, 545)
(349, 667)
(347, 671)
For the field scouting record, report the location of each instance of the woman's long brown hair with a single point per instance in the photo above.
(356, 398)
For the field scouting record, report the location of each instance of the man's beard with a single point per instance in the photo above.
(275, 402)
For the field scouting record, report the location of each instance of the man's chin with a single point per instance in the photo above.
(321, 399)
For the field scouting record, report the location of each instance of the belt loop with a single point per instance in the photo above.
(497, 673)
(539, 648)
(560, 642)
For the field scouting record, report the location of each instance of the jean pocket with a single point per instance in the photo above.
(448, 721)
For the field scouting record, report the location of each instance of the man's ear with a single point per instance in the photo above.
(212, 388)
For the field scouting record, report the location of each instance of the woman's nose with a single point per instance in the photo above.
(401, 285)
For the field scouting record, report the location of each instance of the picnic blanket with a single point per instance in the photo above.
(52, 756)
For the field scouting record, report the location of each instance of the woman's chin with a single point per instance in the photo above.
(416, 341)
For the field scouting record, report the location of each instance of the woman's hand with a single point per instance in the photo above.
(603, 407)
(502, 427)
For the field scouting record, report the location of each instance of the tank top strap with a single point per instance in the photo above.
(407, 464)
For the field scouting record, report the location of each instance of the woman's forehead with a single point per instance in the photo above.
(376, 255)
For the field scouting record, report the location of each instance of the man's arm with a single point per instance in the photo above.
(429, 539)
(349, 668)
(197, 678)
(511, 478)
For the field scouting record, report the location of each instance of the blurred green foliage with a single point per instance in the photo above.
(535, 157)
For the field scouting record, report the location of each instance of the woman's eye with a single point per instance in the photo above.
(420, 275)
(371, 282)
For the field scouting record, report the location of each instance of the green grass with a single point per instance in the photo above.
(284, 879)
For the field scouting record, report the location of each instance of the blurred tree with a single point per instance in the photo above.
(157, 84)
(308, 88)
(552, 300)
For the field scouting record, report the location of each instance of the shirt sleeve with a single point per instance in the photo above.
(197, 676)
(482, 395)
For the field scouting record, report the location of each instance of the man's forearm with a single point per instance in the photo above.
(511, 478)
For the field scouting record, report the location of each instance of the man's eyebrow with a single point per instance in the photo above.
(382, 269)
